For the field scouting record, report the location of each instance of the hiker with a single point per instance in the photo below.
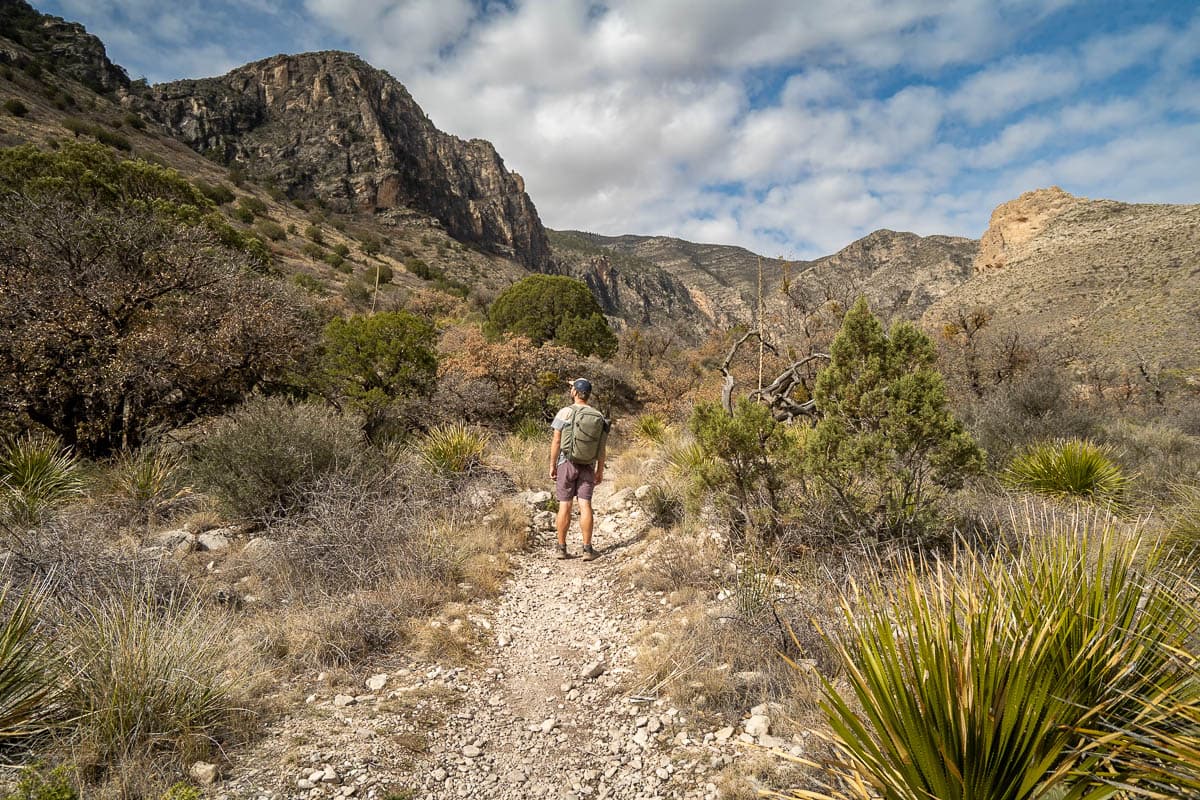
(577, 462)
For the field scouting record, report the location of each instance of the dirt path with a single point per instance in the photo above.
(552, 710)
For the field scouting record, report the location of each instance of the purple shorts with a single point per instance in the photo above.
(575, 480)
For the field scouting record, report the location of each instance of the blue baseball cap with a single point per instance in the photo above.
(582, 386)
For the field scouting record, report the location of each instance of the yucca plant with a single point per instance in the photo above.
(1062, 671)
(1069, 468)
(146, 479)
(454, 448)
(36, 475)
(27, 677)
(650, 429)
(151, 675)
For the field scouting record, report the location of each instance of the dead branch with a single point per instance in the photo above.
(777, 395)
(727, 389)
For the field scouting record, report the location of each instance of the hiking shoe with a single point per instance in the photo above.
(589, 554)
(562, 552)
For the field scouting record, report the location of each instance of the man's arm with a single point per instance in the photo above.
(600, 458)
(555, 446)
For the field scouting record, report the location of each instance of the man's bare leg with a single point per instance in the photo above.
(564, 521)
(585, 521)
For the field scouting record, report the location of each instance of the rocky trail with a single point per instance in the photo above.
(551, 708)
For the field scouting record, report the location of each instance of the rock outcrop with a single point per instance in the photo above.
(1015, 223)
(1112, 282)
(65, 46)
(328, 125)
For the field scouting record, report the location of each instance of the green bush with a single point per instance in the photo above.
(1069, 468)
(545, 308)
(37, 783)
(380, 273)
(379, 364)
(341, 249)
(748, 459)
(418, 267)
(1064, 670)
(313, 250)
(313, 233)
(454, 448)
(36, 476)
(886, 442)
(28, 677)
(254, 205)
(309, 283)
(242, 214)
(150, 677)
(371, 246)
(334, 260)
(261, 460)
(272, 230)
(219, 193)
(15, 107)
(134, 121)
(357, 293)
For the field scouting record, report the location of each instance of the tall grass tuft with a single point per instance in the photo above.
(454, 448)
(1069, 468)
(36, 475)
(27, 677)
(152, 677)
(1041, 673)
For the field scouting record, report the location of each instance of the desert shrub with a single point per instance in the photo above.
(218, 193)
(134, 121)
(663, 506)
(150, 678)
(1157, 453)
(357, 293)
(1181, 526)
(334, 260)
(272, 230)
(371, 245)
(313, 250)
(262, 459)
(545, 308)
(341, 249)
(253, 205)
(28, 676)
(134, 350)
(242, 214)
(146, 481)
(15, 107)
(36, 476)
(454, 448)
(379, 273)
(379, 365)
(309, 283)
(886, 442)
(113, 140)
(313, 233)
(1034, 406)
(418, 267)
(1069, 468)
(39, 783)
(747, 460)
(1053, 671)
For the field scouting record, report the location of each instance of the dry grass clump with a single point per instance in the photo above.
(151, 679)
(449, 637)
(678, 558)
(525, 459)
(718, 662)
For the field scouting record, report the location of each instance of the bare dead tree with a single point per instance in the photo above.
(778, 394)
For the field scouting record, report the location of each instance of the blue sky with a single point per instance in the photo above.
(791, 127)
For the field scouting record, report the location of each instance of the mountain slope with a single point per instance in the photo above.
(1117, 282)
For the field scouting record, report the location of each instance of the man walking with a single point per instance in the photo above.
(577, 462)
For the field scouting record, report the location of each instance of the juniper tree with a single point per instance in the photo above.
(886, 443)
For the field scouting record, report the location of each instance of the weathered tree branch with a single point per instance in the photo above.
(777, 395)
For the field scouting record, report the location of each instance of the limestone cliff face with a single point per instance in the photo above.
(329, 125)
(1015, 223)
(71, 50)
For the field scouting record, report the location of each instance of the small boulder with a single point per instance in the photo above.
(203, 773)
(376, 682)
(213, 541)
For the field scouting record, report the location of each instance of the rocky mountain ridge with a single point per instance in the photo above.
(328, 125)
